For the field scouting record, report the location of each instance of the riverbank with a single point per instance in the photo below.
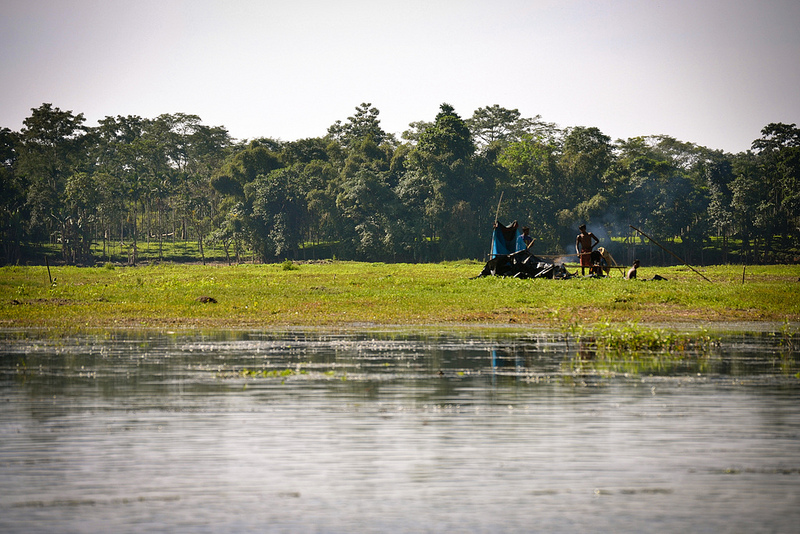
(374, 294)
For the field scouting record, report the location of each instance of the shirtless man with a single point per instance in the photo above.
(632, 271)
(584, 244)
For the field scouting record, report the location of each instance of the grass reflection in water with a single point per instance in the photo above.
(630, 349)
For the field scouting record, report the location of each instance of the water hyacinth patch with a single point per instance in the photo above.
(632, 337)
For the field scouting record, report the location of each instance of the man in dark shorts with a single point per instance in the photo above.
(584, 244)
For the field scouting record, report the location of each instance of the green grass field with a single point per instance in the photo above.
(365, 294)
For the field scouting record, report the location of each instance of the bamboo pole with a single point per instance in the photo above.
(496, 215)
(665, 249)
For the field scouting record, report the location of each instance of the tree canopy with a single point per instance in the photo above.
(357, 192)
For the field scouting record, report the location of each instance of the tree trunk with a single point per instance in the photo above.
(132, 258)
(160, 235)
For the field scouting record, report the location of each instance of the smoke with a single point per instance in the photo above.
(613, 230)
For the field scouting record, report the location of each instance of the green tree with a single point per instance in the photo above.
(274, 210)
(319, 183)
(367, 202)
(12, 200)
(82, 199)
(415, 131)
(445, 156)
(495, 125)
(110, 205)
(778, 152)
(304, 151)
(194, 153)
(52, 149)
(752, 204)
(586, 188)
(657, 191)
(122, 151)
(416, 211)
(718, 173)
(533, 187)
(231, 230)
(359, 127)
(243, 166)
(586, 156)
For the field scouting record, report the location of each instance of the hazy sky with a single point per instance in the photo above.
(712, 72)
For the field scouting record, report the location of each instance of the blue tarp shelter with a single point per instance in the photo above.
(510, 257)
(505, 239)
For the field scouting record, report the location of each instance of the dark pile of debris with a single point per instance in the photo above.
(523, 264)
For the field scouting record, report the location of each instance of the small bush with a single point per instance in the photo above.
(288, 265)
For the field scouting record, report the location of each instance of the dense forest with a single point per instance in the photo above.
(360, 193)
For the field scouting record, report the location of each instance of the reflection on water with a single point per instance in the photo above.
(388, 431)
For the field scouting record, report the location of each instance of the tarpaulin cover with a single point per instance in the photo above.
(523, 264)
(510, 257)
(504, 239)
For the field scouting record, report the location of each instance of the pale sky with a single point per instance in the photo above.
(712, 72)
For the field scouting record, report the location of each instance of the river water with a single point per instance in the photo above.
(395, 431)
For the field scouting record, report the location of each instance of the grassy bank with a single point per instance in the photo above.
(347, 293)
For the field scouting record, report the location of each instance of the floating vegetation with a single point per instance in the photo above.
(790, 337)
(608, 350)
(271, 373)
(262, 373)
(632, 337)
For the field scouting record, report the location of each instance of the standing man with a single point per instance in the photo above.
(584, 244)
(524, 241)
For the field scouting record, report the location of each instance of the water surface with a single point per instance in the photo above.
(391, 431)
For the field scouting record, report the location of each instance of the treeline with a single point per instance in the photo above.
(360, 193)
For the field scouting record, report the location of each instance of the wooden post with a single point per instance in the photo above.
(47, 262)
